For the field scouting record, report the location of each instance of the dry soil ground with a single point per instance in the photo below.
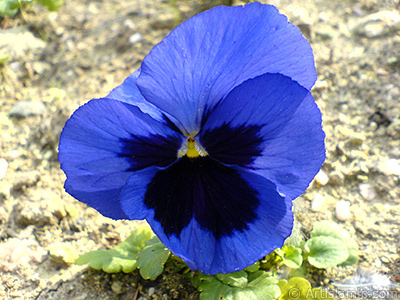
(60, 60)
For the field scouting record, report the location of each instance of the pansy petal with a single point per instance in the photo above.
(218, 219)
(106, 140)
(128, 92)
(204, 58)
(271, 125)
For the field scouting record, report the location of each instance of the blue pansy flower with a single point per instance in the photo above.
(209, 141)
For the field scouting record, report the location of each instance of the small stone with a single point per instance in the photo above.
(379, 24)
(378, 263)
(322, 178)
(326, 32)
(336, 178)
(357, 139)
(151, 291)
(135, 38)
(390, 167)
(116, 286)
(27, 108)
(3, 215)
(343, 210)
(384, 259)
(39, 255)
(63, 253)
(367, 191)
(15, 252)
(5, 190)
(25, 179)
(317, 203)
(18, 40)
(54, 204)
(321, 85)
(164, 21)
(30, 213)
(3, 168)
(393, 129)
(40, 67)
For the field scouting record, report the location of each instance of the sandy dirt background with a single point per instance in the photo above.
(60, 60)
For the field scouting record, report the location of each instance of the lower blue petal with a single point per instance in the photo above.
(218, 219)
(103, 143)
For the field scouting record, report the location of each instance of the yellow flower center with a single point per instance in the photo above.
(191, 148)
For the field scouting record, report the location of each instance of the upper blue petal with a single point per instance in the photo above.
(204, 58)
(222, 223)
(106, 140)
(271, 125)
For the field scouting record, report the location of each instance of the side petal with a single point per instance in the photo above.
(129, 93)
(271, 125)
(218, 219)
(103, 143)
(204, 58)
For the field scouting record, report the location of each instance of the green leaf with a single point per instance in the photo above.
(254, 267)
(352, 248)
(237, 279)
(296, 237)
(4, 57)
(325, 251)
(213, 289)
(152, 258)
(122, 257)
(261, 286)
(292, 257)
(327, 228)
(9, 7)
(300, 289)
(299, 272)
(52, 5)
(295, 288)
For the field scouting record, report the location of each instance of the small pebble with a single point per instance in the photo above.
(27, 108)
(367, 191)
(163, 21)
(25, 179)
(321, 178)
(378, 24)
(336, 178)
(3, 168)
(117, 287)
(63, 252)
(15, 252)
(378, 263)
(343, 210)
(390, 167)
(384, 259)
(135, 38)
(317, 203)
(151, 291)
(30, 213)
(5, 190)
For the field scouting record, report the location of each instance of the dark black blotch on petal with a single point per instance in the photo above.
(239, 145)
(153, 150)
(215, 195)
